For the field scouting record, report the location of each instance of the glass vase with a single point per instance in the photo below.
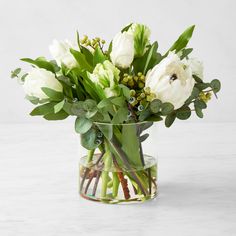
(117, 170)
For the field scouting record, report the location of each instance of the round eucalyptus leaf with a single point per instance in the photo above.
(82, 125)
(155, 105)
(215, 85)
(166, 108)
(183, 113)
(89, 139)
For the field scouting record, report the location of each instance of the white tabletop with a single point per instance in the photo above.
(197, 185)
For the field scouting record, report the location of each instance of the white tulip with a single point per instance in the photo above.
(60, 51)
(141, 34)
(39, 78)
(106, 75)
(171, 80)
(122, 53)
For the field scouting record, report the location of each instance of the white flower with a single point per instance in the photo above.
(122, 53)
(171, 80)
(141, 34)
(60, 51)
(196, 67)
(38, 78)
(106, 75)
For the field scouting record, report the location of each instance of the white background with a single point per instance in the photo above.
(29, 26)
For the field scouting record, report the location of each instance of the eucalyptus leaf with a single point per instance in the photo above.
(215, 85)
(61, 115)
(198, 112)
(59, 106)
(143, 137)
(183, 113)
(155, 105)
(166, 108)
(43, 109)
(120, 116)
(88, 139)
(200, 104)
(170, 119)
(52, 94)
(82, 125)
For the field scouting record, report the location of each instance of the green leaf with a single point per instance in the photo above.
(202, 86)
(52, 94)
(215, 85)
(82, 125)
(118, 101)
(200, 104)
(198, 111)
(41, 63)
(155, 105)
(125, 91)
(23, 77)
(81, 60)
(130, 144)
(183, 113)
(154, 118)
(170, 119)
(185, 53)
(126, 28)
(197, 79)
(150, 55)
(120, 116)
(15, 72)
(61, 115)
(166, 108)
(105, 102)
(98, 56)
(183, 40)
(88, 55)
(59, 106)
(143, 137)
(88, 139)
(43, 109)
(148, 60)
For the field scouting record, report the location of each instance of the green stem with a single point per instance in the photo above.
(116, 184)
(90, 155)
(105, 173)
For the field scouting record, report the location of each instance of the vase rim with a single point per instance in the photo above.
(122, 124)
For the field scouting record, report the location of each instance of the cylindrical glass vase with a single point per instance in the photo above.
(116, 169)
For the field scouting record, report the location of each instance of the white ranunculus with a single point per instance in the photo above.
(171, 80)
(122, 53)
(106, 75)
(196, 67)
(141, 34)
(39, 78)
(60, 51)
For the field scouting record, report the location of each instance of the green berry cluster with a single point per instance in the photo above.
(94, 43)
(134, 81)
(140, 98)
(205, 96)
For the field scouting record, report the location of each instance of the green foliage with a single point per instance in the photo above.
(155, 105)
(98, 57)
(170, 119)
(183, 113)
(183, 40)
(215, 85)
(58, 107)
(81, 60)
(148, 60)
(82, 125)
(15, 72)
(120, 116)
(131, 148)
(41, 62)
(89, 138)
(126, 28)
(52, 94)
(43, 109)
(166, 108)
(61, 115)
